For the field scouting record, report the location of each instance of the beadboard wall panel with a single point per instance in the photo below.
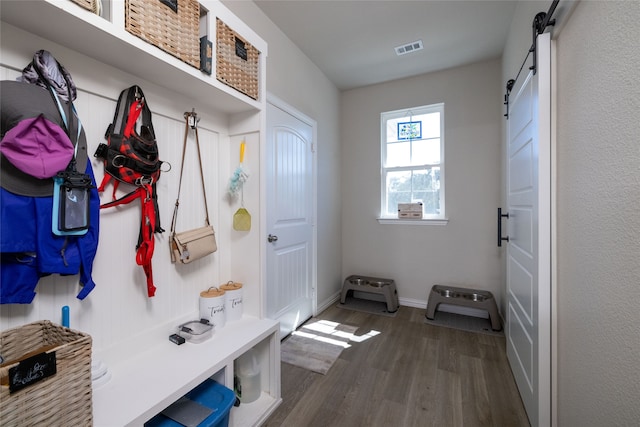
(118, 313)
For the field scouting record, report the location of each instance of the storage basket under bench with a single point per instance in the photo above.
(45, 378)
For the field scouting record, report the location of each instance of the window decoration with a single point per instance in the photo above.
(409, 130)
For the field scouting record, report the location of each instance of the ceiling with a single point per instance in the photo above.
(353, 41)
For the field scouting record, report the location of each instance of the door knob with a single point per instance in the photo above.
(272, 238)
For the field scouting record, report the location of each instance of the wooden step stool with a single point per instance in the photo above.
(374, 285)
(464, 297)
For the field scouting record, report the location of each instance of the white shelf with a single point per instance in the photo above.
(145, 383)
(65, 23)
(245, 414)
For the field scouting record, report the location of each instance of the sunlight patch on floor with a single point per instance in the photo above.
(360, 338)
(329, 329)
(343, 344)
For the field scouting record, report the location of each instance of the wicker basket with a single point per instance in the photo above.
(236, 61)
(177, 33)
(87, 4)
(63, 399)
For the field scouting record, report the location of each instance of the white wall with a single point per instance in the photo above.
(598, 202)
(464, 251)
(119, 302)
(599, 215)
(117, 313)
(293, 78)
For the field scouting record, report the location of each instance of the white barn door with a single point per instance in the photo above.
(290, 192)
(528, 317)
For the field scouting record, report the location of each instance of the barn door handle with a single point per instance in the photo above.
(500, 216)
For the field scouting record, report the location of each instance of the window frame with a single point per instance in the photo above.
(440, 218)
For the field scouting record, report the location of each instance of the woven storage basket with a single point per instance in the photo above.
(87, 4)
(177, 33)
(236, 61)
(63, 399)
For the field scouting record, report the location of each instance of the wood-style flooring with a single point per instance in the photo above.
(410, 374)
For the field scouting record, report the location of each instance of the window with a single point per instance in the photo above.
(412, 143)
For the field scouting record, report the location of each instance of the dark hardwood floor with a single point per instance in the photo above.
(410, 374)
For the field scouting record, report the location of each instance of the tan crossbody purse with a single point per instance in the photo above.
(191, 245)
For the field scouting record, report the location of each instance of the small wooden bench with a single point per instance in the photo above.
(463, 297)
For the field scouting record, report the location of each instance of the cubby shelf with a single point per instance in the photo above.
(147, 382)
(66, 23)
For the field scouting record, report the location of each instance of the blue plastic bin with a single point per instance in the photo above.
(210, 394)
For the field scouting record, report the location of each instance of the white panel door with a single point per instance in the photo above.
(528, 317)
(290, 218)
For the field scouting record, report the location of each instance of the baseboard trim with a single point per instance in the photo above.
(328, 303)
(415, 303)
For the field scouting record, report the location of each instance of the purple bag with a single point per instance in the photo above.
(37, 147)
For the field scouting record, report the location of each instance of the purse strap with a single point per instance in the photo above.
(191, 121)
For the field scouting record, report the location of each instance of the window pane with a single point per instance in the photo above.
(420, 181)
(392, 130)
(428, 190)
(398, 190)
(430, 125)
(426, 152)
(413, 187)
(398, 154)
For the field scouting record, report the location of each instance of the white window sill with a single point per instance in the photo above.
(425, 221)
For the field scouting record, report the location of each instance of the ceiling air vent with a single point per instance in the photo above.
(409, 48)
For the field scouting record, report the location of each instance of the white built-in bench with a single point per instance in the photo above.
(146, 382)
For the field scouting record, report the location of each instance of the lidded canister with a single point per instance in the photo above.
(233, 300)
(213, 306)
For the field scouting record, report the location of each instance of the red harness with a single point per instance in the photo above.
(146, 240)
(123, 164)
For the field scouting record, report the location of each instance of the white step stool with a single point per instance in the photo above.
(374, 285)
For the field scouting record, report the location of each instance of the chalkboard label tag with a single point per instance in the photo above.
(173, 4)
(32, 370)
(241, 49)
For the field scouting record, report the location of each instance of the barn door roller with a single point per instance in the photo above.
(541, 21)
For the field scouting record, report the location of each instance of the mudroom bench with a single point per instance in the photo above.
(146, 382)
(149, 372)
